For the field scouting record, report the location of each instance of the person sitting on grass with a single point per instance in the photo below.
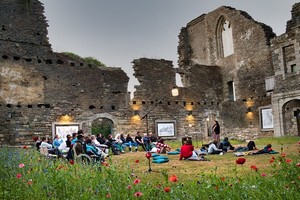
(187, 151)
(225, 145)
(212, 148)
(161, 146)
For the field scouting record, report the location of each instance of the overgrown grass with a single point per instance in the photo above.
(25, 174)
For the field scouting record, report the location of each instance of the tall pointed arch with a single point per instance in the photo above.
(224, 38)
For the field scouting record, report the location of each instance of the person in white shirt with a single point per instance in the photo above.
(212, 148)
(50, 148)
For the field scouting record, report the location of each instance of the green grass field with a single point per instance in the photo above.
(26, 174)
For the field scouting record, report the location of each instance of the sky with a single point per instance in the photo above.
(118, 31)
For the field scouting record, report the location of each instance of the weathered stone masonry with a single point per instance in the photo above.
(231, 67)
(39, 86)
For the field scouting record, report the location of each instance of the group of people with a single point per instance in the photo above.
(217, 146)
(99, 145)
(148, 142)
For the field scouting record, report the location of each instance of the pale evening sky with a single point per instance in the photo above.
(118, 31)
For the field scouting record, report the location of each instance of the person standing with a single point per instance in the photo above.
(216, 131)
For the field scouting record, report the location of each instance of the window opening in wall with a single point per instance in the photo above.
(178, 80)
(113, 107)
(294, 68)
(29, 106)
(231, 91)
(224, 38)
(227, 39)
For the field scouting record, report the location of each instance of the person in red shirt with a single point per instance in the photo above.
(187, 151)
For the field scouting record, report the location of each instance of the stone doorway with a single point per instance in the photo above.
(102, 125)
(291, 117)
(297, 113)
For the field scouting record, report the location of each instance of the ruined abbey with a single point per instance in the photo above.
(233, 69)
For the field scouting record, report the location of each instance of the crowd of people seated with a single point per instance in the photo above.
(100, 146)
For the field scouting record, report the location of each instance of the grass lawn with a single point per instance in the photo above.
(221, 165)
(26, 174)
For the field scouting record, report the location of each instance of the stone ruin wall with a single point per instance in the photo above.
(286, 94)
(39, 86)
(247, 67)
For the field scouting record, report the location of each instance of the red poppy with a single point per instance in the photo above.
(173, 178)
(271, 161)
(222, 178)
(108, 195)
(263, 174)
(288, 160)
(167, 189)
(138, 194)
(148, 155)
(240, 161)
(283, 154)
(105, 164)
(129, 187)
(72, 162)
(298, 164)
(136, 181)
(25, 147)
(254, 167)
(19, 176)
(137, 161)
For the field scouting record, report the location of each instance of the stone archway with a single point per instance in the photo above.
(284, 108)
(291, 117)
(100, 122)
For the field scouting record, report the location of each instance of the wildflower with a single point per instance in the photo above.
(136, 181)
(271, 161)
(19, 176)
(283, 155)
(72, 162)
(288, 160)
(21, 165)
(105, 164)
(129, 187)
(167, 189)
(240, 161)
(108, 195)
(254, 167)
(148, 155)
(298, 164)
(25, 147)
(138, 194)
(137, 161)
(132, 174)
(222, 178)
(29, 182)
(173, 178)
(263, 174)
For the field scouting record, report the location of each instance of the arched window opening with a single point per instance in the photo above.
(224, 38)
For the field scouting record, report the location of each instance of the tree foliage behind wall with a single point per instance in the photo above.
(89, 60)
